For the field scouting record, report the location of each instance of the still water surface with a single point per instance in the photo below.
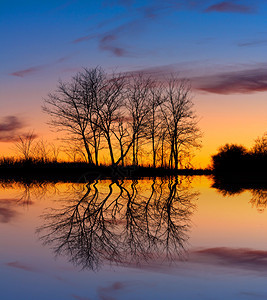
(174, 238)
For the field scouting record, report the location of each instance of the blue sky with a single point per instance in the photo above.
(129, 34)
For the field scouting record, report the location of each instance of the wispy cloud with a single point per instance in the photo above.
(253, 43)
(111, 40)
(34, 69)
(84, 38)
(164, 72)
(230, 7)
(227, 80)
(109, 43)
(234, 257)
(133, 22)
(242, 81)
(9, 128)
(28, 71)
(10, 123)
(137, 17)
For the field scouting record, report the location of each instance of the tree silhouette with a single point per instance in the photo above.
(179, 120)
(24, 145)
(121, 112)
(229, 157)
(260, 146)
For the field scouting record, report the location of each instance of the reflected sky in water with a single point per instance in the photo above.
(173, 238)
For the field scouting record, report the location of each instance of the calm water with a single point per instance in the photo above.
(163, 239)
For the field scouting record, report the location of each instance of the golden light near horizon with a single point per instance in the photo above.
(237, 119)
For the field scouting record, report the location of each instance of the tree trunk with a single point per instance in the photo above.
(136, 150)
(134, 160)
(162, 152)
(89, 155)
(122, 157)
(110, 150)
(96, 145)
(153, 149)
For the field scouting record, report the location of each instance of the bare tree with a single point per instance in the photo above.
(154, 119)
(179, 119)
(75, 151)
(55, 150)
(122, 134)
(42, 150)
(69, 108)
(138, 93)
(92, 82)
(24, 144)
(87, 107)
(108, 105)
(260, 146)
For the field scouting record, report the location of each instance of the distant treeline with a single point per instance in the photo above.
(233, 159)
(32, 170)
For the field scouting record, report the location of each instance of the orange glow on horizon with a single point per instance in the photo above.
(238, 119)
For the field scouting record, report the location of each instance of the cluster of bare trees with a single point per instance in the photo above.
(120, 116)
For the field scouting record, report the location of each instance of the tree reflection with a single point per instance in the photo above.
(121, 221)
(28, 191)
(259, 199)
(257, 188)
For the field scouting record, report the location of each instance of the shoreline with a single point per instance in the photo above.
(79, 172)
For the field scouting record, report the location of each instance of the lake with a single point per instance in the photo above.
(164, 238)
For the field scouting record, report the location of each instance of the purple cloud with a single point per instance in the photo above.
(250, 79)
(9, 128)
(163, 73)
(34, 69)
(141, 16)
(108, 43)
(10, 123)
(28, 71)
(227, 6)
(243, 81)
(240, 257)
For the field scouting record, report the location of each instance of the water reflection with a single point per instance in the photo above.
(29, 191)
(121, 221)
(258, 190)
(259, 199)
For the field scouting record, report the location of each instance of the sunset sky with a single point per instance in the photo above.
(220, 45)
